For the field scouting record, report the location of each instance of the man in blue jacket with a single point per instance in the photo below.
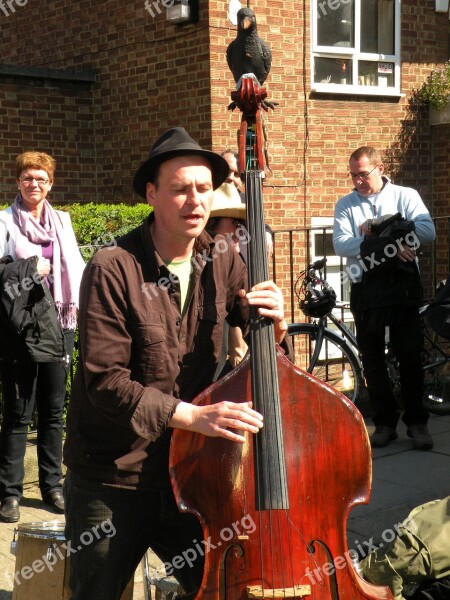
(385, 290)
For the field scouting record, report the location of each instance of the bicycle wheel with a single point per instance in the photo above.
(436, 373)
(336, 364)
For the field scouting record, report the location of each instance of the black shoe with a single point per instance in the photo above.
(55, 500)
(9, 510)
(382, 435)
(421, 437)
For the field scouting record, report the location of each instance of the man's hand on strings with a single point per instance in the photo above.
(225, 419)
(267, 297)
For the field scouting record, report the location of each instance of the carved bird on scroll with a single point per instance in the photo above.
(248, 53)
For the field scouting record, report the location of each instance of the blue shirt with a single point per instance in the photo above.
(354, 209)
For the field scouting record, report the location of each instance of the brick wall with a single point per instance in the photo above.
(151, 75)
(54, 118)
(335, 126)
(441, 197)
(311, 136)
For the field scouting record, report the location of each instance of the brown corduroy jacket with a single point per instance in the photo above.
(139, 355)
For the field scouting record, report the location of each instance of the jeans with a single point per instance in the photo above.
(109, 530)
(406, 339)
(27, 384)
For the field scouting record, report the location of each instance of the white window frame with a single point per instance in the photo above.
(356, 55)
(324, 225)
(333, 276)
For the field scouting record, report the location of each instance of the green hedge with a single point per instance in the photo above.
(98, 224)
(95, 223)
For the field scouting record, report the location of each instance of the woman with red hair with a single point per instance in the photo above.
(40, 260)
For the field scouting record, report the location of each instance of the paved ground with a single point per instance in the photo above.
(402, 479)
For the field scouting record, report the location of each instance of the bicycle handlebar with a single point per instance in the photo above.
(308, 276)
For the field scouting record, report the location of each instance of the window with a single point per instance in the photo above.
(322, 245)
(356, 46)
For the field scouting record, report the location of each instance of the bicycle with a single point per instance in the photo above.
(333, 356)
(436, 368)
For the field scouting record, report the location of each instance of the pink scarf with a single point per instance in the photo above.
(29, 234)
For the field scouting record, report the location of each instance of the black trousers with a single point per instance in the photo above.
(110, 529)
(406, 339)
(27, 384)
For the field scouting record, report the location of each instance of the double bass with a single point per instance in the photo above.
(273, 510)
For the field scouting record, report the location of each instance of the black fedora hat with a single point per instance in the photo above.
(172, 143)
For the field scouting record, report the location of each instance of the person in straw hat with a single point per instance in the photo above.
(227, 223)
(151, 320)
(232, 159)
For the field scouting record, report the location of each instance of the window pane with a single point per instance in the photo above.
(323, 244)
(333, 70)
(376, 73)
(377, 26)
(335, 23)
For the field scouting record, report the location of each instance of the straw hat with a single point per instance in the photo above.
(227, 203)
(172, 143)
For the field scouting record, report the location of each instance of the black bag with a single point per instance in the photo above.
(394, 226)
(379, 251)
(437, 314)
(388, 281)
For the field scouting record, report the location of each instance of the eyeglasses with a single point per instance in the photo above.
(363, 175)
(29, 181)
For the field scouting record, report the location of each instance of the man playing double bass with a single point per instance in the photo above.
(151, 317)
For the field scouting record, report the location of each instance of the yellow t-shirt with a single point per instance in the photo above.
(182, 269)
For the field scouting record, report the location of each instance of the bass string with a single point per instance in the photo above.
(270, 459)
(269, 448)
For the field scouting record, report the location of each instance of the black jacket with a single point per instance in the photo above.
(28, 317)
(387, 281)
